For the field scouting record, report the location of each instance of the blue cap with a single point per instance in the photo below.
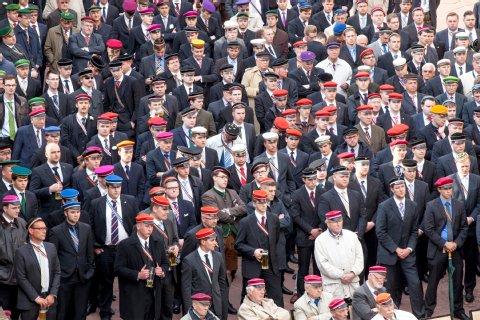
(339, 27)
(242, 2)
(69, 194)
(113, 179)
(304, 5)
(339, 12)
(52, 129)
(307, 56)
(476, 87)
(333, 45)
(21, 171)
(427, 97)
(71, 205)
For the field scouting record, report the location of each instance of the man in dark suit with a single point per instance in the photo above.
(392, 169)
(28, 40)
(86, 81)
(363, 301)
(159, 160)
(83, 40)
(285, 15)
(178, 9)
(143, 257)
(445, 165)
(120, 211)
(386, 61)
(395, 115)
(396, 228)
(324, 18)
(446, 226)
(169, 24)
(27, 86)
(296, 26)
(29, 138)
(74, 242)
(122, 25)
(451, 87)
(306, 76)
(259, 232)
(361, 18)
(298, 158)
(31, 261)
(49, 179)
(435, 86)
(203, 271)
(28, 200)
(304, 213)
(9, 48)
(105, 141)
(231, 61)
(436, 130)
(351, 51)
(240, 171)
(202, 64)
(56, 103)
(350, 202)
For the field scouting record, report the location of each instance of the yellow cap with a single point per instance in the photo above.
(198, 43)
(125, 144)
(439, 109)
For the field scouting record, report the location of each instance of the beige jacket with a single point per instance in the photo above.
(54, 44)
(249, 310)
(304, 307)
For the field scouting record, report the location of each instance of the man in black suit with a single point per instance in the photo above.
(203, 271)
(385, 61)
(446, 226)
(74, 242)
(28, 199)
(123, 24)
(445, 165)
(451, 93)
(240, 171)
(349, 201)
(143, 257)
(33, 259)
(202, 64)
(56, 103)
(159, 160)
(233, 61)
(122, 95)
(120, 211)
(132, 173)
(82, 40)
(105, 141)
(361, 18)
(324, 18)
(395, 115)
(392, 169)
(396, 227)
(351, 51)
(296, 27)
(304, 213)
(436, 130)
(306, 76)
(363, 301)
(27, 86)
(209, 158)
(49, 179)
(258, 233)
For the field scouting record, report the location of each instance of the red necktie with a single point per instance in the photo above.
(117, 84)
(87, 40)
(243, 179)
(312, 196)
(263, 222)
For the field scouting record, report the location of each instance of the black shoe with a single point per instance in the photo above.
(288, 270)
(231, 309)
(406, 291)
(286, 291)
(292, 259)
(91, 308)
(461, 316)
(176, 308)
(469, 297)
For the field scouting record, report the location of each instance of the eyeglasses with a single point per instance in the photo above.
(88, 78)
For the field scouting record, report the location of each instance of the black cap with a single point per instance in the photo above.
(340, 169)
(396, 180)
(409, 163)
(361, 158)
(193, 151)
(309, 172)
(279, 62)
(220, 169)
(270, 74)
(232, 129)
(187, 111)
(410, 76)
(125, 57)
(97, 62)
(317, 164)
(186, 69)
(416, 142)
(85, 72)
(262, 54)
(170, 56)
(457, 136)
(351, 130)
(179, 161)
(226, 66)
(259, 162)
(64, 62)
(115, 64)
(324, 77)
(191, 29)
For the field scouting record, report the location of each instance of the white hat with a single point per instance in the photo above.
(322, 140)
(459, 35)
(399, 62)
(443, 62)
(239, 147)
(258, 42)
(230, 24)
(364, 68)
(199, 130)
(270, 136)
(459, 49)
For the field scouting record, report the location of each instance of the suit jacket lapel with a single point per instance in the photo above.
(68, 236)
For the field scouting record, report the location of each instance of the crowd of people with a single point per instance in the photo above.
(165, 145)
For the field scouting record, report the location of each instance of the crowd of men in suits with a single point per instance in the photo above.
(169, 144)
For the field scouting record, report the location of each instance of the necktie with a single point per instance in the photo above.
(87, 40)
(167, 160)
(23, 202)
(44, 275)
(367, 135)
(365, 95)
(352, 53)
(161, 226)
(395, 120)
(11, 121)
(84, 121)
(384, 46)
(329, 19)
(461, 70)
(175, 206)
(129, 24)
(65, 37)
(190, 140)
(401, 208)
(429, 118)
(465, 187)
(207, 262)
(352, 150)
(364, 190)
(273, 167)
(395, 56)
(67, 87)
(292, 158)
(284, 20)
(263, 222)
(104, 13)
(398, 170)
(270, 49)
(55, 103)
(315, 301)
(304, 123)
(346, 204)
(55, 172)
(177, 9)
(105, 141)
(448, 228)
(470, 37)
(74, 234)
(333, 66)
(243, 178)
(39, 139)
(117, 84)
(312, 197)
(127, 170)
(114, 230)
(227, 158)
(94, 178)
(410, 191)
(304, 23)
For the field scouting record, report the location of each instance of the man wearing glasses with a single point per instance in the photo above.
(86, 80)
(363, 302)
(446, 227)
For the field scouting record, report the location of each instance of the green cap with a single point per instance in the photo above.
(9, 162)
(94, 8)
(233, 43)
(33, 7)
(37, 101)
(21, 171)
(274, 12)
(242, 15)
(2, 73)
(450, 79)
(24, 11)
(6, 31)
(21, 63)
(12, 7)
(66, 16)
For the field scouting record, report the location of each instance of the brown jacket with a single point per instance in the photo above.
(21, 109)
(54, 44)
(232, 202)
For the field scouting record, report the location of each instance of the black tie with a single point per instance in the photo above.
(127, 171)
(55, 172)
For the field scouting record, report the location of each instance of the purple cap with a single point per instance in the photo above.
(154, 27)
(242, 2)
(307, 56)
(164, 135)
(94, 148)
(129, 6)
(146, 11)
(13, 199)
(103, 171)
(210, 7)
(190, 14)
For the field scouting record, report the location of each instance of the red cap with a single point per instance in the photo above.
(362, 75)
(337, 304)
(114, 44)
(346, 155)
(156, 121)
(387, 87)
(395, 96)
(330, 84)
(366, 52)
(443, 181)
(190, 14)
(304, 102)
(265, 180)
(104, 118)
(280, 123)
(209, 210)
(89, 19)
(144, 217)
(161, 201)
(396, 130)
(164, 135)
(293, 132)
(104, 171)
(146, 11)
(364, 107)
(280, 93)
(373, 95)
(156, 190)
(330, 109)
(259, 194)
(289, 112)
(313, 278)
(82, 96)
(322, 113)
(398, 143)
(417, 9)
(300, 44)
(201, 297)
(111, 115)
(377, 269)
(374, 9)
(129, 6)
(37, 113)
(256, 282)
(205, 233)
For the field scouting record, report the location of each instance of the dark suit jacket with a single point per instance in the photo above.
(250, 237)
(234, 180)
(291, 14)
(27, 273)
(345, 55)
(460, 100)
(63, 104)
(29, 44)
(385, 121)
(301, 162)
(120, 29)
(385, 61)
(472, 201)
(70, 259)
(134, 184)
(240, 68)
(301, 79)
(31, 204)
(98, 211)
(443, 147)
(34, 89)
(181, 94)
(81, 57)
(73, 137)
(363, 302)
(356, 222)
(285, 181)
(375, 195)
(446, 165)
(25, 144)
(408, 105)
(112, 141)
(354, 21)
(434, 87)
(156, 162)
(96, 103)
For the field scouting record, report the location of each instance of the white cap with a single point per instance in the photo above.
(462, 34)
(258, 42)
(199, 130)
(443, 62)
(322, 140)
(364, 68)
(399, 62)
(270, 136)
(459, 49)
(230, 24)
(239, 147)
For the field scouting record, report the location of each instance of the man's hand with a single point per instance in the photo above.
(370, 225)
(158, 271)
(43, 303)
(402, 253)
(55, 187)
(315, 232)
(144, 273)
(34, 74)
(450, 246)
(420, 232)
(344, 86)
(470, 220)
(176, 249)
(50, 300)
(348, 278)
(148, 80)
(79, 159)
(98, 251)
(258, 254)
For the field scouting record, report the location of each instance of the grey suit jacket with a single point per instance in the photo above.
(377, 137)
(363, 302)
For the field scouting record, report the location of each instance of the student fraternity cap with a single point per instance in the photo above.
(208, 6)
(300, 44)
(293, 132)
(375, 9)
(6, 31)
(113, 179)
(396, 180)
(337, 304)
(304, 102)
(12, 7)
(322, 140)
(398, 142)
(461, 157)
(333, 214)
(349, 131)
(114, 44)
(205, 233)
(144, 218)
(67, 16)
(333, 45)
(309, 173)
(201, 297)
(93, 150)
(270, 136)
(256, 282)
(37, 113)
(259, 194)
(395, 96)
(219, 169)
(409, 163)
(69, 194)
(461, 35)
(239, 149)
(104, 171)
(439, 109)
(362, 75)
(156, 121)
(11, 199)
(341, 170)
(198, 43)
(399, 62)
(364, 108)
(21, 171)
(164, 135)
(129, 6)
(37, 101)
(209, 210)
(444, 181)
(346, 155)
(443, 62)
(126, 144)
(161, 201)
(384, 298)
(280, 123)
(231, 129)
(366, 52)
(338, 29)
(313, 279)
(377, 269)
(87, 19)
(307, 56)
(22, 63)
(280, 93)
(322, 114)
(450, 79)
(417, 143)
(72, 204)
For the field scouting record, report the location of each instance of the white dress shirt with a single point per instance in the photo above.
(122, 234)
